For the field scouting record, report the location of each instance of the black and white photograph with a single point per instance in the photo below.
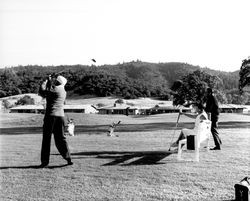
(124, 100)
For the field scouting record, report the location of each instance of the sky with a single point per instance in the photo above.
(207, 33)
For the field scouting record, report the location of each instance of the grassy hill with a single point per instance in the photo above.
(132, 79)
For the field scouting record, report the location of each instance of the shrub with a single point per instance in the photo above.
(100, 105)
(120, 101)
(26, 100)
(6, 104)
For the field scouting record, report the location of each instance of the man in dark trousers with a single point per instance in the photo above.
(53, 90)
(212, 108)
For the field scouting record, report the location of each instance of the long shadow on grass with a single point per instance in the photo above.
(101, 129)
(32, 167)
(20, 167)
(93, 129)
(128, 158)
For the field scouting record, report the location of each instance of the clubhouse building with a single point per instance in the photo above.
(122, 109)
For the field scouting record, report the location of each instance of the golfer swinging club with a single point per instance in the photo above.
(53, 90)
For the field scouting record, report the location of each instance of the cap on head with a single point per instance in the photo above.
(62, 80)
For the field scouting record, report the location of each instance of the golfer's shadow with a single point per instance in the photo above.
(129, 158)
(32, 167)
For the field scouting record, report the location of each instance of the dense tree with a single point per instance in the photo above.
(192, 87)
(3, 93)
(221, 96)
(9, 82)
(235, 97)
(128, 80)
(26, 100)
(244, 74)
(6, 104)
(119, 101)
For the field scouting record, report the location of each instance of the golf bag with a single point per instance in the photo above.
(242, 190)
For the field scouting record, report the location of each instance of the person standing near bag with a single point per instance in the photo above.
(53, 90)
(212, 108)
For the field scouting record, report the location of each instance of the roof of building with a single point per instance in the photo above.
(122, 107)
(28, 107)
(78, 107)
(231, 106)
(125, 106)
(118, 107)
(40, 107)
(170, 107)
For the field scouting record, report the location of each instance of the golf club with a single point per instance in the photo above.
(177, 122)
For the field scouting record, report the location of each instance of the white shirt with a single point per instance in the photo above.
(198, 119)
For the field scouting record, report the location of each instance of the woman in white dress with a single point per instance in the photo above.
(200, 115)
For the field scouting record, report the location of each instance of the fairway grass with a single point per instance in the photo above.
(134, 166)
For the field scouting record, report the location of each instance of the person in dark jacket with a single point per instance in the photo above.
(212, 108)
(53, 90)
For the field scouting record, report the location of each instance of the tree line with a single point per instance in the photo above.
(127, 80)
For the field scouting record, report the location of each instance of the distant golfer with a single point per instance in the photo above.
(53, 90)
(112, 129)
(212, 108)
(71, 127)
